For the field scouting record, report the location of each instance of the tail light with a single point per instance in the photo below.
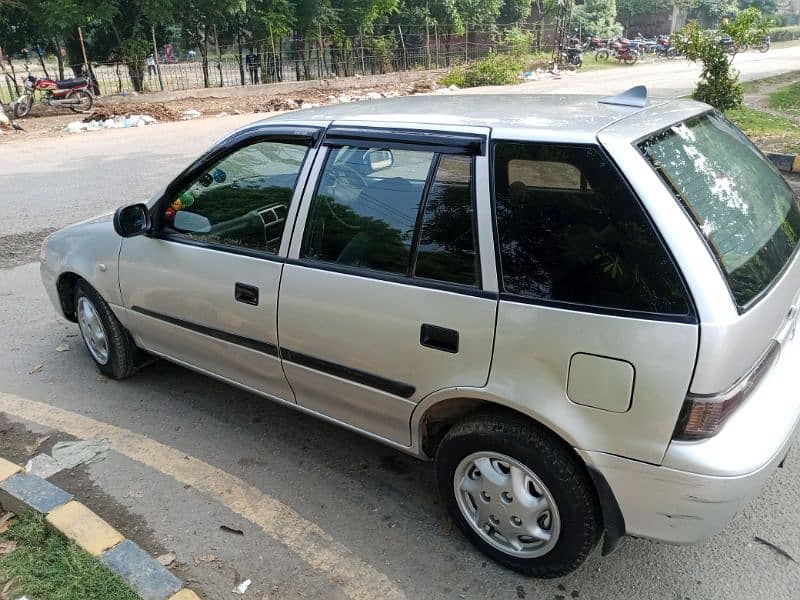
(703, 415)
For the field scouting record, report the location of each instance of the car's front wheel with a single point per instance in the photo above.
(519, 494)
(107, 341)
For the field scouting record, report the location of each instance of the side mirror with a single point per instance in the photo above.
(379, 159)
(189, 222)
(132, 220)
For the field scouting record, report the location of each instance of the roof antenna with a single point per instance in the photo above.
(636, 96)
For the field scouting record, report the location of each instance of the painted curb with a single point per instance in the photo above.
(788, 163)
(20, 491)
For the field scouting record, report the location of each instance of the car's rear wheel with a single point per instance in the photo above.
(106, 340)
(519, 494)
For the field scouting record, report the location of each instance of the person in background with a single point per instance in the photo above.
(251, 62)
(151, 65)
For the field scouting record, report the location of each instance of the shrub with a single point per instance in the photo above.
(719, 84)
(785, 34)
(494, 69)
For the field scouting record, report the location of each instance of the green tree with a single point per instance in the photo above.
(598, 17)
(719, 83)
(515, 11)
(632, 8)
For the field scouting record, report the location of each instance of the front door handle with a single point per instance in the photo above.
(439, 338)
(246, 293)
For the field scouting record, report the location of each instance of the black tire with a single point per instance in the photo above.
(86, 99)
(122, 352)
(602, 54)
(552, 461)
(23, 105)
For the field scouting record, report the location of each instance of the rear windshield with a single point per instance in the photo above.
(743, 207)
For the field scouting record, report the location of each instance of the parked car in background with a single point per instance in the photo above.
(582, 309)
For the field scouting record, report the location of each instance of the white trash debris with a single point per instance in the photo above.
(373, 96)
(344, 98)
(242, 587)
(113, 123)
(191, 114)
(71, 454)
(42, 465)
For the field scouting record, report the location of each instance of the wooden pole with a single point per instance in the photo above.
(427, 38)
(403, 42)
(219, 54)
(274, 54)
(155, 57)
(83, 50)
(41, 61)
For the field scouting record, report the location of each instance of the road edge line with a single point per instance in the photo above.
(21, 491)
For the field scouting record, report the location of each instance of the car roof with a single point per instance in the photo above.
(565, 116)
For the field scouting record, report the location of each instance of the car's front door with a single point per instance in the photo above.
(389, 293)
(203, 288)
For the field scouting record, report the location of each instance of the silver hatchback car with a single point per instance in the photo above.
(582, 309)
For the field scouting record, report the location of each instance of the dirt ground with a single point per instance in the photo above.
(45, 120)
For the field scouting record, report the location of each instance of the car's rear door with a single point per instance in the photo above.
(203, 289)
(389, 292)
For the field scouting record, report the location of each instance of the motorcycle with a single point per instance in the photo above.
(573, 53)
(664, 48)
(621, 49)
(594, 43)
(730, 47)
(765, 45)
(74, 94)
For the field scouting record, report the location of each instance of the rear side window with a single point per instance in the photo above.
(586, 244)
(403, 212)
(744, 209)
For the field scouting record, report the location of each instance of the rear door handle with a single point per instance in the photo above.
(439, 338)
(246, 293)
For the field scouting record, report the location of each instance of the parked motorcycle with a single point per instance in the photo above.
(594, 43)
(730, 47)
(573, 55)
(621, 49)
(74, 94)
(664, 48)
(766, 44)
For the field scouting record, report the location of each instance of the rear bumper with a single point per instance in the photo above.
(675, 506)
(700, 486)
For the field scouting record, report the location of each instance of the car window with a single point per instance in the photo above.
(742, 206)
(448, 241)
(373, 210)
(591, 246)
(546, 174)
(242, 200)
(365, 217)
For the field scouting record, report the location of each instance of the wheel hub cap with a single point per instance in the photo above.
(506, 504)
(92, 330)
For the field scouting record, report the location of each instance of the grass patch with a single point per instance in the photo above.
(786, 98)
(771, 132)
(47, 566)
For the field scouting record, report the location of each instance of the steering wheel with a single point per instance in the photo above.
(347, 177)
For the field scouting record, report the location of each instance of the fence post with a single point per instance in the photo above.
(155, 56)
(403, 42)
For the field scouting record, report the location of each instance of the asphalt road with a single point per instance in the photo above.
(323, 512)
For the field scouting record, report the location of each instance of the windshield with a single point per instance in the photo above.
(743, 207)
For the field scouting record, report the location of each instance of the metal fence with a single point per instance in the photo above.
(314, 61)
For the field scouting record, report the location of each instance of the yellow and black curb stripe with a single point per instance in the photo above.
(20, 492)
(788, 163)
